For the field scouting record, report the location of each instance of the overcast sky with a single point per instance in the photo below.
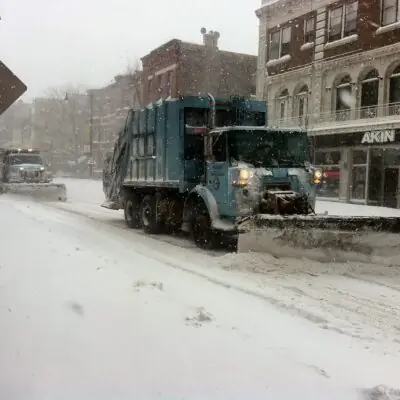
(49, 43)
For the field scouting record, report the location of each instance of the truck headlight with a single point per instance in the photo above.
(242, 178)
(317, 176)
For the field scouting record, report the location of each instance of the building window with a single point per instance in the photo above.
(302, 104)
(159, 85)
(390, 12)
(369, 94)
(394, 92)
(279, 42)
(343, 21)
(282, 104)
(309, 30)
(169, 83)
(343, 99)
(149, 87)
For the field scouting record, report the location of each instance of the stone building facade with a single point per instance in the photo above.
(334, 69)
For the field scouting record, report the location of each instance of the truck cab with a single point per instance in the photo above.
(24, 165)
(243, 162)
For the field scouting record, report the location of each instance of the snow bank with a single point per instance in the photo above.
(267, 264)
(336, 208)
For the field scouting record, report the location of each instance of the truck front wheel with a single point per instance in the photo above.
(202, 233)
(149, 215)
(132, 211)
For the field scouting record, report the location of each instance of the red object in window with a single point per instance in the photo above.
(200, 130)
(332, 174)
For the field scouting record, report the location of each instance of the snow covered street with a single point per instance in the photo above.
(90, 309)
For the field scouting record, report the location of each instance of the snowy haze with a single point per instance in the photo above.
(50, 43)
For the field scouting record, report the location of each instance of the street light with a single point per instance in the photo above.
(74, 132)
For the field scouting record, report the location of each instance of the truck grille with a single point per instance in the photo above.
(30, 175)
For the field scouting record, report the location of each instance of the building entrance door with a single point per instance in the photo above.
(391, 186)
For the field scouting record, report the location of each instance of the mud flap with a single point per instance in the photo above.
(323, 238)
(112, 205)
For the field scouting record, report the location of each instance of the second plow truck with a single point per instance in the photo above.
(213, 168)
(22, 171)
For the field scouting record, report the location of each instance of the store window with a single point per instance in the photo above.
(359, 175)
(328, 162)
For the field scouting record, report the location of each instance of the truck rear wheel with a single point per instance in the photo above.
(132, 211)
(149, 215)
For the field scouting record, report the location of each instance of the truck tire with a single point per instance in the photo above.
(149, 218)
(202, 234)
(132, 211)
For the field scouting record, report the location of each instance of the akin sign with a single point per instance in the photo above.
(379, 137)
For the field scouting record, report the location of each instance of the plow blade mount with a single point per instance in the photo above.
(323, 238)
(44, 191)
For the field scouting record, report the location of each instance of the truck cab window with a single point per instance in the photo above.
(219, 148)
(194, 147)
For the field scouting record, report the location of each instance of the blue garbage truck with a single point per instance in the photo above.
(215, 169)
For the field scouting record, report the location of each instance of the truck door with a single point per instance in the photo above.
(193, 158)
(217, 173)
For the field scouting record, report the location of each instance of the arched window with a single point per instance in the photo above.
(394, 92)
(369, 94)
(343, 98)
(302, 103)
(282, 104)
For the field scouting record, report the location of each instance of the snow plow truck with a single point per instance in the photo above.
(22, 171)
(213, 168)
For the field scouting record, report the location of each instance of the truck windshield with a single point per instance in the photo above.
(25, 159)
(268, 148)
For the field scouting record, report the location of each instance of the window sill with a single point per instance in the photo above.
(277, 61)
(341, 42)
(387, 28)
(306, 46)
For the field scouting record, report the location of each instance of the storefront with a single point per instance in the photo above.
(359, 167)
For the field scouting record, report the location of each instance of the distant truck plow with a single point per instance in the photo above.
(211, 167)
(22, 171)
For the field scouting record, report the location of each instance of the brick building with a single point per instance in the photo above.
(181, 68)
(334, 68)
(110, 105)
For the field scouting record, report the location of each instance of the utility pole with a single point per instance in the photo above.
(91, 134)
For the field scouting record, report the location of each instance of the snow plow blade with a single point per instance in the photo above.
(323, 238)
(45, 191)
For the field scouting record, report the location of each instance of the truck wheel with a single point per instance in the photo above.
(132, 212)
(202, 234)
(148, 212)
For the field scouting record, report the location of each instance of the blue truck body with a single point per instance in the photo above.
(194, 156)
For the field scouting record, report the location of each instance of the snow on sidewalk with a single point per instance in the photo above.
(86, 314)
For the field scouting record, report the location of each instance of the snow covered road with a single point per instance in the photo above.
(92, 310)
